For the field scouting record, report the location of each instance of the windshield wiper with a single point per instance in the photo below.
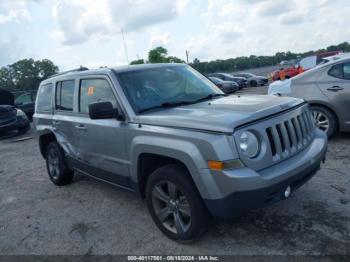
(210, 96)
(166, 105)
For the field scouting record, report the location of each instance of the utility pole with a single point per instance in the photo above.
(187, 52)
(125, 49)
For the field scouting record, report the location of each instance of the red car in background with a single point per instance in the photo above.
(304, 64)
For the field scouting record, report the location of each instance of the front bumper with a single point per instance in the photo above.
(245, 189)
(19, 123)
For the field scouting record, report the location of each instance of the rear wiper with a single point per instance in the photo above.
(210, 96)
(166, 105)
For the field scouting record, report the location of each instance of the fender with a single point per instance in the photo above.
(183, 151)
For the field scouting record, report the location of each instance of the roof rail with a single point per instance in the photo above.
(81, 68)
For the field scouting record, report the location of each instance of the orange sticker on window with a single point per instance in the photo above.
(91, 90)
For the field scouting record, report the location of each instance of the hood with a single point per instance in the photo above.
(219, 115)
(6, 97)
(261, 77)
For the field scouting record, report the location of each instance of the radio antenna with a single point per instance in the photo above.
(125, 48)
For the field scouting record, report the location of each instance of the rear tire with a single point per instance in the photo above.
(325, 120)
(57, 168)
(253, 83)
(175, 205)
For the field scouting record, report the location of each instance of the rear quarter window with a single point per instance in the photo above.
(44, 98)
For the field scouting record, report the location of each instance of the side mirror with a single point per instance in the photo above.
(102, 110)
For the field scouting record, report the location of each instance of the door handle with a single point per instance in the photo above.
(80, 127)
(55, 122)
(335, 88)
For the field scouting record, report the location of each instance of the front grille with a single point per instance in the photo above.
(290, 135)
(282, 136)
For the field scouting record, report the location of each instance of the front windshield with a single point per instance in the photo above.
(165, 85)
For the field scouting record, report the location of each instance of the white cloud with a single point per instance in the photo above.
(159, 40)
(210, 29)
(13, 11)
(273, 7)
(264, 27)
(80, 20)
(228, 32)
(11, 49)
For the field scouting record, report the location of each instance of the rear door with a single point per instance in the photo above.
(64, 116)
(101, 141)
(335, 84)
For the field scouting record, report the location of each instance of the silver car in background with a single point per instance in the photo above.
(253, 80)
(327, 89)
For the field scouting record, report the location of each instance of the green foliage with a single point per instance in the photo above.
(26, 74)
(244, 62)
(159, 55)
(174, 59)
(137, 62)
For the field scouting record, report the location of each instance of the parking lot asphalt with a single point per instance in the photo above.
(90, 217)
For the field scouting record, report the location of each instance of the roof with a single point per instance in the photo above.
(105, 70)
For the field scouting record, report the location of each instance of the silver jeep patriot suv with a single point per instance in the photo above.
(169, 134)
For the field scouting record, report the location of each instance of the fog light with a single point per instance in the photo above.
(287, 192)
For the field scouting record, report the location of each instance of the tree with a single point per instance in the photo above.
(137, 62)
(244, 63)
(159, 55)
(26, 74)
(174, 59)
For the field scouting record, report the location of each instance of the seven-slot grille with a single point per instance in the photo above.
(289, 136)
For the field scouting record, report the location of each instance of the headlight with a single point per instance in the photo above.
(249, 144)
(21, 113)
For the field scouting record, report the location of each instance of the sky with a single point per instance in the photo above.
(88, 32)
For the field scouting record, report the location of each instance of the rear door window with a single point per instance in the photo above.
(95, 90)
(65, 95)
(44, 98)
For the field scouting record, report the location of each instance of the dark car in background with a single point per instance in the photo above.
(227, 87)
(241, 81)
(11, 118)
(26, 102)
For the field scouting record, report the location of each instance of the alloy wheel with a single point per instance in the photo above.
(321, 120)
(53, 163)
(171, 207)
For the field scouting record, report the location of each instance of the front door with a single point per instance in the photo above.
(101, 141)
(335, 84)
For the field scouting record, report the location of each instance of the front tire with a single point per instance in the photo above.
(175, 204)
(324, 120)
(57, 168)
